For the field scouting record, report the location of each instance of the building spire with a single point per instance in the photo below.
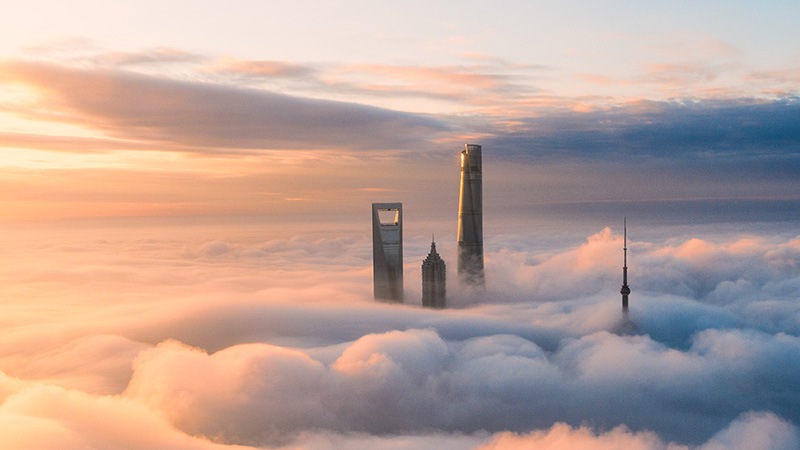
(434, 283)
(626, 290)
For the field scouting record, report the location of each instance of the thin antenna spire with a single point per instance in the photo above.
(625, 240)
(626, 290)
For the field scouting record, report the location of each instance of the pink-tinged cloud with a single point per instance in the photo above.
(475, 87)
(153, 56)
(232, 333)
(41, 417)
(563, 275)
(70, 144)
(260, 392)
(379, 383)
(674, 78)
(209, 118)
(756, 430)
(777, 83)
(472, 86)
(749, 431)
(266, 69)
(562, 436)
(458, 76)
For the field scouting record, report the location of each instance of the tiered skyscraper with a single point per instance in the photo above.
(387, 251)
(626, 290)
(470, 217)
(434, 283)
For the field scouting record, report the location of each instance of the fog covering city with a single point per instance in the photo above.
(277, 342)
(185, 225)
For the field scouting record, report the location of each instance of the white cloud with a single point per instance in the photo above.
(278, 343)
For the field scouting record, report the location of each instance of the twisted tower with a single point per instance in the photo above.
(470, 217)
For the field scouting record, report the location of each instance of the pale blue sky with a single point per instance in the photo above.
(611, 38)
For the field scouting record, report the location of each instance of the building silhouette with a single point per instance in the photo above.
(470, 217)
(387, 251)
(625, 326)
(626, 290)
(434, 280)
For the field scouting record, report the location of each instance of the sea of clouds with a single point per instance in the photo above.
(218, 337)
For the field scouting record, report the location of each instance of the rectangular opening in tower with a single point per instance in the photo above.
(389, 216)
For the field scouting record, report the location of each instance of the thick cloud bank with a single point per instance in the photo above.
(181, 341)
(402, 381)
(752, 430)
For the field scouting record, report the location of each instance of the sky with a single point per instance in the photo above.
(184, 204)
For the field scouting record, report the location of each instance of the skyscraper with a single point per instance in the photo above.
(434, 282)
(387, 251)
(625, 291)
(470, 217)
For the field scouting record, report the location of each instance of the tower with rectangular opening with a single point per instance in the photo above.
(387, 251)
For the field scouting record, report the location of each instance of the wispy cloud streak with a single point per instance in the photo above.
(210, 118)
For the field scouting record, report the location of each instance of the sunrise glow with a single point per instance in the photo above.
(188, 258)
